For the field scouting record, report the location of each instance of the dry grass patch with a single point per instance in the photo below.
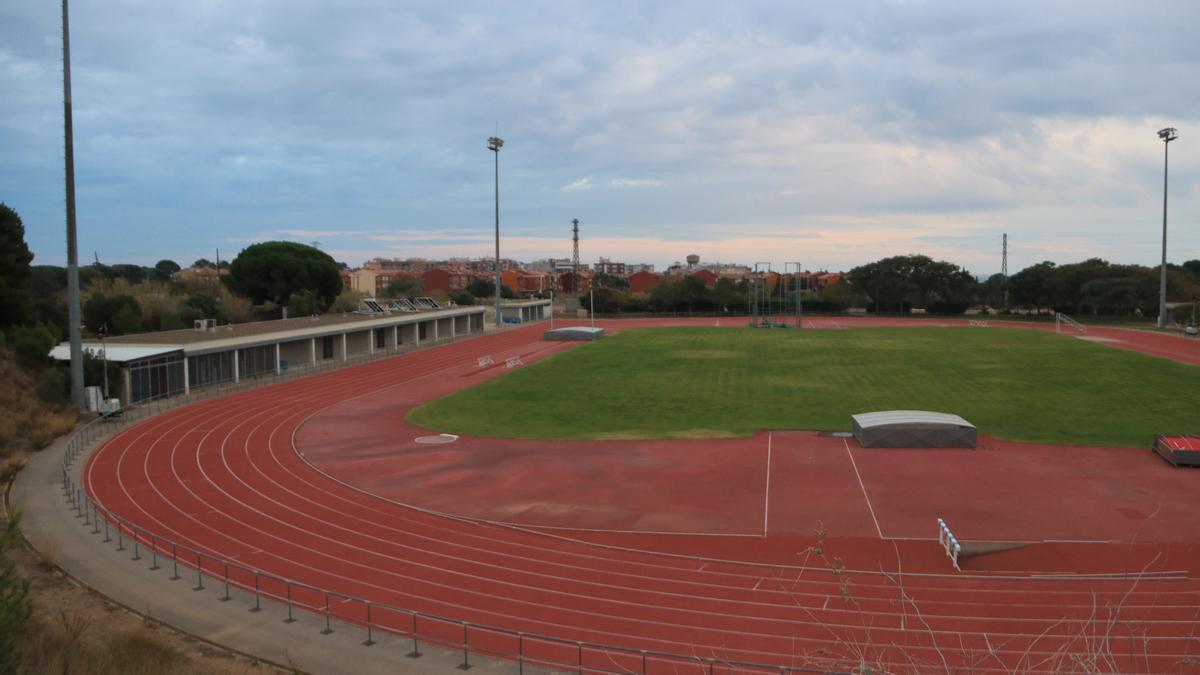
(28, 422)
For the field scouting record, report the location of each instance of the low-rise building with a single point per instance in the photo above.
(170, 363)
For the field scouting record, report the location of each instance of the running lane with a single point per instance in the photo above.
(224, 476)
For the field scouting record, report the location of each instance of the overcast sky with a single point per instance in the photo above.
(830, 133)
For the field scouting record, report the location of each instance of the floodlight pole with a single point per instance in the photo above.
(494, 144)
(1167, 135)
(73, 313)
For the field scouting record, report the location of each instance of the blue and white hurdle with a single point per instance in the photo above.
(948, 542)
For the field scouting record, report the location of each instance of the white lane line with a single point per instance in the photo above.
(767, 495)
(864, 488)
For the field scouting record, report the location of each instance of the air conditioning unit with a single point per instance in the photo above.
(205, 324)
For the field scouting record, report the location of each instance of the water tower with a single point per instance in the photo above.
(693, 260)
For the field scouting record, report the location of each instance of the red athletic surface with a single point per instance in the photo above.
(674, 557)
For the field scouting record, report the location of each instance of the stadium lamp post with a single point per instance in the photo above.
(1167, 135)
(494, 144)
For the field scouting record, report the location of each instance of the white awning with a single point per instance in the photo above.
(114, 353)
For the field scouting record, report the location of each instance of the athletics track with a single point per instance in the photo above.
(318, 480)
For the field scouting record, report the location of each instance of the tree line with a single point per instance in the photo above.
(899, 284)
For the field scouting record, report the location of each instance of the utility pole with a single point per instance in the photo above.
(575, 263)
(73, 313)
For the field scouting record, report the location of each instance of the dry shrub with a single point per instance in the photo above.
(236, 308)
(47, 553)
(28, 422)
(72, 644)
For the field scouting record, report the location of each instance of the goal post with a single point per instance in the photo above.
(1063, 322)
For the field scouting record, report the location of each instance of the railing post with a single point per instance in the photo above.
(328, 629)
(174, 561)
(199, 572)
(466, 664)
(226, 597)
(579, 657)
(369, 641)
(95, 519)
(120, 537)
(153, 552)
(257, 596)
(520, 654)
(137, 555)
(643, 662)
(416, 650)
(290, 618)
(87, 516)
(106, 537)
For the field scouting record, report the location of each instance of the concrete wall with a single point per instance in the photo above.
(297, 353)
(408, 333)
(358, 342)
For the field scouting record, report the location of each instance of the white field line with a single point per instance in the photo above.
(864, 488)
(767, 495)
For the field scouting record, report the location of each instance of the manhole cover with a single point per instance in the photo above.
(440, 439)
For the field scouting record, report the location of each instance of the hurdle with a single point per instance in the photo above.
(947, 540)
(485, 360)
(513, 362)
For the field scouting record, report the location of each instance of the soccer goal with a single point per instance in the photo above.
(1063, 322)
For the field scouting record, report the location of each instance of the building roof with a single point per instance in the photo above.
(114, 353)
(241, 335)
(304, 324)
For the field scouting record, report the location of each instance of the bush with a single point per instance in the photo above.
(32, 345)
(462, 298)
(54, 386)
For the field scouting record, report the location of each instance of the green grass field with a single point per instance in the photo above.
(702, 382)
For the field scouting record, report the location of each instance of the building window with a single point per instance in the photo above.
(327, 347)
(156, 377)
(210, 369)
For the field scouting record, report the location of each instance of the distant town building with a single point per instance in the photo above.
(707, 276)
(606, 266)
(643, 281)
(528, 283)
(566, 281)
(445, 280)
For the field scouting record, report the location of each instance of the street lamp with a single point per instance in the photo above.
(494, 144)
(1167, 135)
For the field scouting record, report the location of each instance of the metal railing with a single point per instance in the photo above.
(371, 617)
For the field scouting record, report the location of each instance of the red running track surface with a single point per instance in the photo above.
(225, 476)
